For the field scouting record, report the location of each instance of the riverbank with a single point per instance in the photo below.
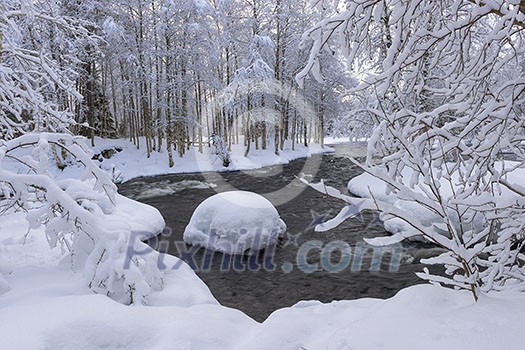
(126, 161)
(47, 308)
(46, 305)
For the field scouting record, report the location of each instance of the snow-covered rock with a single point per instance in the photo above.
(368, 186)
(234, 222)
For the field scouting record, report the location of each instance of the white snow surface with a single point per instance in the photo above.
(45, 305)
(145, 220)
(234, 222)
(132, 162)
(49, 308)
(366, 186)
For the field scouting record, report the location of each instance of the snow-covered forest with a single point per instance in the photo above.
(172, 72)
(107, 103)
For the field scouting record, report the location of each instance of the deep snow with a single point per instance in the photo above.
(131, 162)
(235, 222)
(47, 306)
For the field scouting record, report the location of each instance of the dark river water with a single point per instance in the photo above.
(305, 265)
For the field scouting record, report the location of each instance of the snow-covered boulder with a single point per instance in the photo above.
(234, 222)
(368, 186)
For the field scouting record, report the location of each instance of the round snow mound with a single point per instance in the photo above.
(234, 222)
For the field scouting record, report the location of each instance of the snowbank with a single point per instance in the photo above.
(234, 222)
(31, 267)
(47, 310)
(420, 317)
(48, 307)
(145, 221)
(366, 186)
(131, 162)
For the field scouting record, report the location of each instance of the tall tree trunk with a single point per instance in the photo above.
(264, 136)
(169, 131)
(198, 109)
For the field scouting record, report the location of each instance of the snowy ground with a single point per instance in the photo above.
(132, 162)
(46, 306)
(366, 186)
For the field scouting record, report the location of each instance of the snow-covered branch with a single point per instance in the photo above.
(450, 86)
(38, 66)
(74, 213)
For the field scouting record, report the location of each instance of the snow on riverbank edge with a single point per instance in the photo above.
(47, 306)
(46, 309)
(132, 162)
(368, 186)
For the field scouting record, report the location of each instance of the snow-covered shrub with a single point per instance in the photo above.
(221, 150)
(73, 212)
(235, 222)
(449, 81)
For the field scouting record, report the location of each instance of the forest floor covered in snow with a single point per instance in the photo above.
(45, 305)
(132, 162)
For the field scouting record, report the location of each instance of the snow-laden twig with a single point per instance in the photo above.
(448, 77)
(73, 212)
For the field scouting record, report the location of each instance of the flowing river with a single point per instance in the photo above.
(305, 265)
